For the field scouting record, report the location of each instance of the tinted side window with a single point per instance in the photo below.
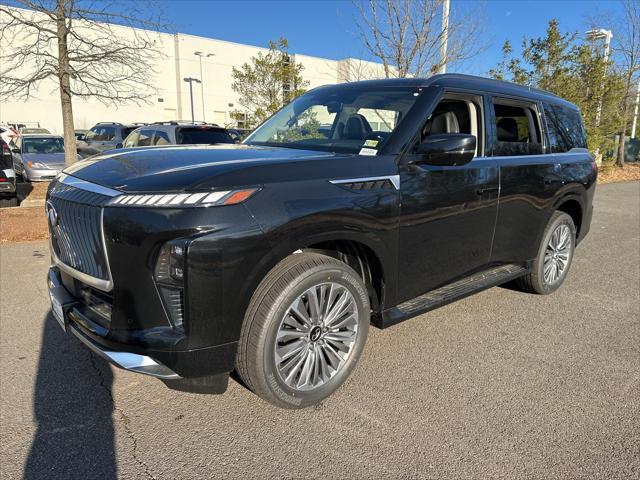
(145, 138)
(565, 129)
(516, 129)
(460, 113)
(103, 133)
(202, 135)
(162, 138)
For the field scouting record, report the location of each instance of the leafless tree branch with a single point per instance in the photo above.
(91, 49)
(405, 35)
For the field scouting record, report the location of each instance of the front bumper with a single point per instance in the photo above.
(62, 303)
(40, 175)
(203, 370)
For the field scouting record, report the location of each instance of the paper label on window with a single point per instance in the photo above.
(371, 143)
(368, 151)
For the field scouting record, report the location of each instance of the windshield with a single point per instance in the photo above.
(344, 118)
(43, 145)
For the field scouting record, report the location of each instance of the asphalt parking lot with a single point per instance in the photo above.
(499, 385)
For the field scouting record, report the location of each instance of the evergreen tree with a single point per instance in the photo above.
(576, 71)
(268, 82)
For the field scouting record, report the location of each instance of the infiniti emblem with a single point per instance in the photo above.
(52, 215)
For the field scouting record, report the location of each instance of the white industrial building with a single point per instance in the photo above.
(172, 100)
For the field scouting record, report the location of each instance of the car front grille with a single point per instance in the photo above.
(75, 226)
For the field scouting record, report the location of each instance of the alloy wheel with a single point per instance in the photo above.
(316, 336)
(557, 254)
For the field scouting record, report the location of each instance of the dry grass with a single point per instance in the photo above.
(22, 224)
(611, 173)
(39, 191)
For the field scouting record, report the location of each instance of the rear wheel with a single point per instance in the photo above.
(304, 330)
(551, 266)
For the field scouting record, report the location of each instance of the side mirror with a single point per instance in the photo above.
(447, 149)
(119, 145)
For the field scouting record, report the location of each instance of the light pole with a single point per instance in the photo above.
(635, 112)
(200, 55)
(597, 34)
(190, 81)
(445, 37)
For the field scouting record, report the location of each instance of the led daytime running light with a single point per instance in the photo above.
(172, 200)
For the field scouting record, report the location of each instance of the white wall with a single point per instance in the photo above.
(178, 61)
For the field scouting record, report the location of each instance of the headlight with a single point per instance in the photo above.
(173, 200)
(170, 263)
(169, 275)
(38, 165)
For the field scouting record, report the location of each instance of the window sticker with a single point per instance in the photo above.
(373, 143)
(368, 151)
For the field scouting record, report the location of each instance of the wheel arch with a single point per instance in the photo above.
(366, 254)
(572, 205)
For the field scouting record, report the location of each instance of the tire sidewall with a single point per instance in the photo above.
(562, 219)
(344, 276)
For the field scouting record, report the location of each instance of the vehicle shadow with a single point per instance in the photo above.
(73, 408)
(23, 189)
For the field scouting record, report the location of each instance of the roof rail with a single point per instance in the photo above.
(108, 123)
(183, 122)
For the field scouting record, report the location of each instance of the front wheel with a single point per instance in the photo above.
(304, 330)
(555, 254)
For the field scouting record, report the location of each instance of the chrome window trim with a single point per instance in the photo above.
(394, 179)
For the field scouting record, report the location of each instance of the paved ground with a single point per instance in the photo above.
(501, 384)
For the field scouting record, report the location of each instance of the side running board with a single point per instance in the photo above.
(449, 293)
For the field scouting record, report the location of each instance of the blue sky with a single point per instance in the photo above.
(326, 29)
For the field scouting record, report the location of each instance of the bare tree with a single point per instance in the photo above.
(80, 45)
(405, 35)
(628, 49)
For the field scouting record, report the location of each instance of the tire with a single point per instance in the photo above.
(272, 327)
(9, 202)
(536, 281)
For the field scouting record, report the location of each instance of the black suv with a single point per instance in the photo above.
(8, 196)
(177, 133)
(104, 136)
(368, 202)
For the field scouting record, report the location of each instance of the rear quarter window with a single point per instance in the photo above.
(564, 128)
(202, 136)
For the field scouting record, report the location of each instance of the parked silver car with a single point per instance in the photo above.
(38, 157)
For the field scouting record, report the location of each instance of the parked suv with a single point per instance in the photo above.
(8, 196)
(104, 136)
(271, 258)
(176, 133)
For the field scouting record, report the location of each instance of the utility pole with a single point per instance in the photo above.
(635, 111)
(190, 81)
(200, 55)
(444, 38)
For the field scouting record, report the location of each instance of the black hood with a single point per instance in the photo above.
(192, 168)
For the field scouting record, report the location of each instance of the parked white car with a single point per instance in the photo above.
(38, 157)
